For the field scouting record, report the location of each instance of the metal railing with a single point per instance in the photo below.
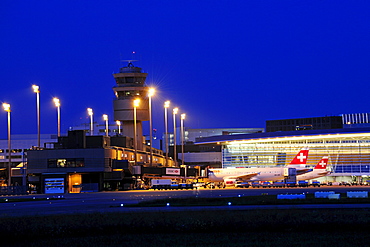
(13, 190)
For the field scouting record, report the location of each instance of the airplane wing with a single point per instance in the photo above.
(303, 171)
(324, 173)
(244, 176)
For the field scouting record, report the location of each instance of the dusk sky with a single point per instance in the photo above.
(225, 63)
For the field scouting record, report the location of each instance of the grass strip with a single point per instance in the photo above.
(245, 200)
(116, 225)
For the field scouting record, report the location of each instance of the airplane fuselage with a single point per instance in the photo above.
(316, 173)
(256, 174)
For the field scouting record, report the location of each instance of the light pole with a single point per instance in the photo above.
(182, 137)
(166, 105)
(90, 112)
(119, 126)
(105, 118)
(57, 104)
(136, 104)
(36, 89)
(174, 111)
(7, 109)
(150, 94)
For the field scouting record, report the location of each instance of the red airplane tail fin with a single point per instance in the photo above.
(322, 163)
(301, 158)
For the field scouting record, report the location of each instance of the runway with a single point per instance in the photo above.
(103, 202)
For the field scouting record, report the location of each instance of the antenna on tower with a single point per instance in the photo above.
(130, 64)
(129, 61)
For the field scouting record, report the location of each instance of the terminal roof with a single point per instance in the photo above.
(240, 137)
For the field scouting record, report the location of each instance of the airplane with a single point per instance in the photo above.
(299, 162)
(228, 176)
(318, 171)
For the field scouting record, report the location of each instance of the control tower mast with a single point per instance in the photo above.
(130, 85)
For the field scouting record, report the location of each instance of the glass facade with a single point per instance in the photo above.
(349, 154)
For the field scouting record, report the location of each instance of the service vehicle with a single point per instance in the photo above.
(241, 184)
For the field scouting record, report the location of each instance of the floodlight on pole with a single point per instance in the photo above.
(90, 112)
(136, 104)
(119, 126)
(166, 105)
(174, 111)
(57, 105)
(36, 89)
(105, 118)
(183, 115)
(150, 94)
(7, 109)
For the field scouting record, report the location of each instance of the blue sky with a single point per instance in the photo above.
(225, 64)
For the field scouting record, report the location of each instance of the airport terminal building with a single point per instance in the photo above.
(348, 150)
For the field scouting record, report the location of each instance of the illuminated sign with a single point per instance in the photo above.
(54, 185)
(173, 171)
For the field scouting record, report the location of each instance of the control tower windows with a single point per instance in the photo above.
(130, 80)
(128, 94)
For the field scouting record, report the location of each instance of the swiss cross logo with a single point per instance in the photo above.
(322, 163)
(301, 157)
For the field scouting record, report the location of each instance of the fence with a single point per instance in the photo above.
(13, 190)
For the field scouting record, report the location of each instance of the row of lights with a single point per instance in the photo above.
(6, 107)
(136, 104)
(36, 89)
(182, 118)
(56, 101)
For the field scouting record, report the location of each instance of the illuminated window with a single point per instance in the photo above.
(61, 163)
(65, 163)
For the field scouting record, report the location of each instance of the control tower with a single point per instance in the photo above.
(130, 85)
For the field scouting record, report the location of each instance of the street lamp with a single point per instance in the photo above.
(57, 104)
(150, 94)
(90, 112)
(182, 137)
(136, 104)
(119, 126)
(166, 105)
(7, 109)
(174, 111)
(105, 118)
(36, 89)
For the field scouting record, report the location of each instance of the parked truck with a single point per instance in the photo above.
(161, 184)
(168, 184)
